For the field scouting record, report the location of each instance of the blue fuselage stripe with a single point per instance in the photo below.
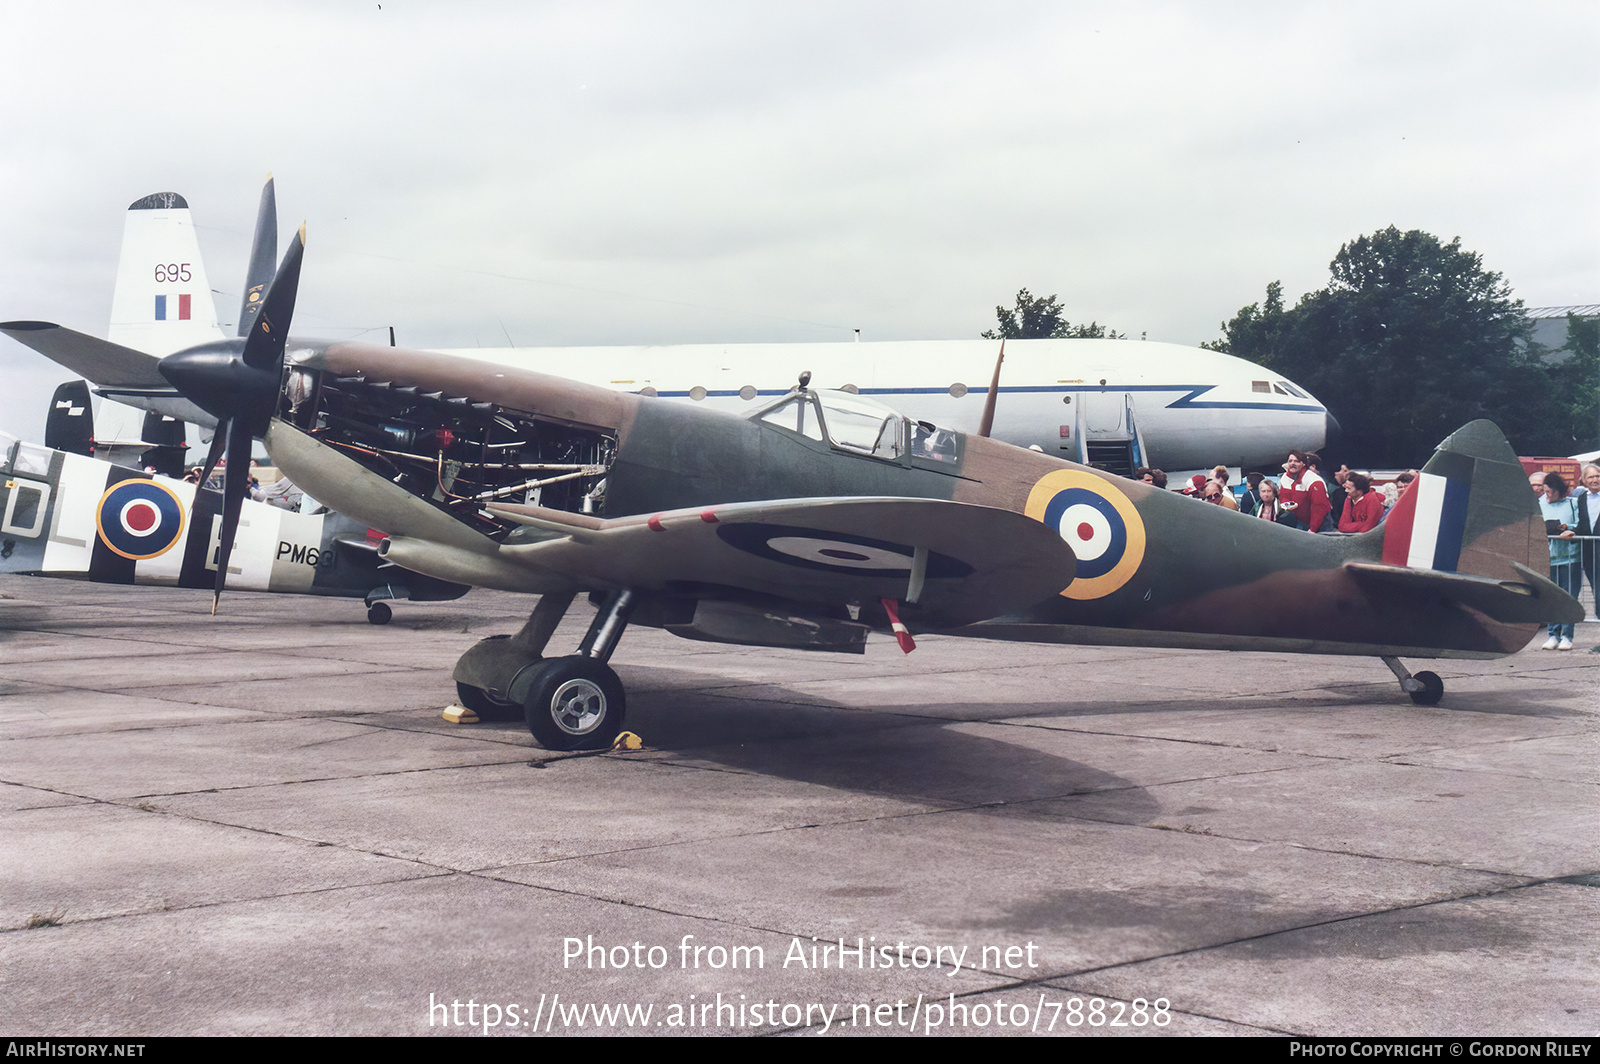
(1187, 401)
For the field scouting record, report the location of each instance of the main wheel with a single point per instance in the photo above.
(379, 613)
(575, 703)
(485, 705)
(1432, 689)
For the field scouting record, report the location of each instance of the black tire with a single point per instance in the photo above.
(575, 703)
(379, 613)
(1432, 689)
(485, 705)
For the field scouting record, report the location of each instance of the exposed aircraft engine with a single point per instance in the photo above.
(456, 453)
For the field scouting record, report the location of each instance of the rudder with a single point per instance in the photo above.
(1469, 512)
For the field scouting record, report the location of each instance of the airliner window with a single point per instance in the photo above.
(1292, 390)
(797, 415)
(861, 425)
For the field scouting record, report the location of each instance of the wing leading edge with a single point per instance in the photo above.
(949, 563)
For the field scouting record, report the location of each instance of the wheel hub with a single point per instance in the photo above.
(578, 706)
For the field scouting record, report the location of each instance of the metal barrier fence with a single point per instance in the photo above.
(1586, 594)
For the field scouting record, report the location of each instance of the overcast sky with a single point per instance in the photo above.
(591, 173)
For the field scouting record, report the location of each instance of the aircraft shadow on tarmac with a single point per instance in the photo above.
(923, 753)
(917, 753)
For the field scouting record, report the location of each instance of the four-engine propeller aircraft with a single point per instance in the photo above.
(822, 516)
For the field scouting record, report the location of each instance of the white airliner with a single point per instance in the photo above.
(1117, 404)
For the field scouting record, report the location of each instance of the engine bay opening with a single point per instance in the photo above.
(457, 453)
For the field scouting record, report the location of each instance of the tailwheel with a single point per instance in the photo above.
(379, 613)
(1432, 689)
(1425, 688)
(486, 705)
(575, 703)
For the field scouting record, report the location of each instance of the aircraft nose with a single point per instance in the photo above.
(1331, 429)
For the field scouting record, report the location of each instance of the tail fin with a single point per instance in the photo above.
(162, 302)
(1467, 531)
(1469, 512)
(69, 423)
(70, 426)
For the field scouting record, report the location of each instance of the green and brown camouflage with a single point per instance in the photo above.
(1165, 570)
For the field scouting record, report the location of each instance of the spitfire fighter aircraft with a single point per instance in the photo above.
(823, 516)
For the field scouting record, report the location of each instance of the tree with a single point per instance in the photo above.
(1411, 338)
(1576, 389)
(1255, 328)
(1043, 318)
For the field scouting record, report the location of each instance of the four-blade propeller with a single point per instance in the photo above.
(237, 381)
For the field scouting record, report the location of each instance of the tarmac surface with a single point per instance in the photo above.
(259, 824)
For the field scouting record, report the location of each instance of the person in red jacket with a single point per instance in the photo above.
(1365, 508)
(1303, 493)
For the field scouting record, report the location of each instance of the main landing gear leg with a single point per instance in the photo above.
(576, 703)
(1425, 688)
(486, 674)
(570, 703)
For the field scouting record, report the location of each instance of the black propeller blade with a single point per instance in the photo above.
(238, 384)
(263, 257)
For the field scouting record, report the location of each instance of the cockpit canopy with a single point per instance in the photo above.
(848, 422)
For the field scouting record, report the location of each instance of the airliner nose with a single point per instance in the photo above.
(1331, 428)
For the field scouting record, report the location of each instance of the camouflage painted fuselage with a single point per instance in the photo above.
(1153, 567)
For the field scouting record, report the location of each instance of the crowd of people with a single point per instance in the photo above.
(1301, 498)
(1350, 502)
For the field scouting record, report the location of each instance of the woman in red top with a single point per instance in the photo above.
(1365, 508)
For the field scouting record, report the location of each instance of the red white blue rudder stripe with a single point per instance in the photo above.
(1427, 527)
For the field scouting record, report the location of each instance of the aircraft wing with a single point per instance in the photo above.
(946, 562)
(117, 372)
(101, 361)
(1535, 599)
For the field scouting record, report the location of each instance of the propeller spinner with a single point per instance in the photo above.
(237, 381)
